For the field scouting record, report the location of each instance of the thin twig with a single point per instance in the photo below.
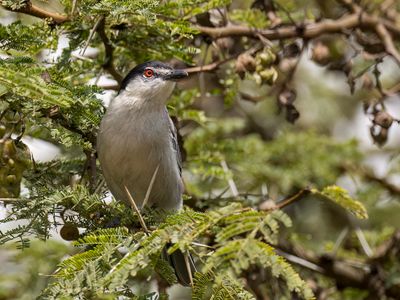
(73, 8)
(202, 245)
(136, 209)
(387, 41)
(369, 176)
(310, 30)
(300, 194)
(186, 258)
(109, 52)
(363, 242)
(300, 261)
(340, 240)
(210, 67)
(201, 76)
(222, 193)
(231, 183)
(150, 187)
(13, 200)
(91, 35)
(99, 186)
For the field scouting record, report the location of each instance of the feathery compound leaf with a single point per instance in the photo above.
(34, 87)
(19, 37)
(202, 285)
(220, 285)
(104, 236)
(341, 197)
(70, 266)
(105, 242)
(163, 268)
(253, 222)
(238, 255)
(226, 287)
(146, 252)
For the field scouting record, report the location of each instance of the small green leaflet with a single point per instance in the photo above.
(341, 197)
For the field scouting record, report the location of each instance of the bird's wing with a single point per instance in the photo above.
(175, 144)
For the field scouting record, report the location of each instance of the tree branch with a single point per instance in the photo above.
(208, 68)
(369, 176)
(109, 52)
(391, 188)
(344, 272)
(309, 31)
(38, 12)
(299, 195)
(387, 41)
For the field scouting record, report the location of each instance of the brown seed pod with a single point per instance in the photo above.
(69, 232)
(245, 63)
(321, 54)
(379, 135)
(225, 43)
(287, 64)
(383, 119)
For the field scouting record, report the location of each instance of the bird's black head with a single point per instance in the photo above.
(152, 74)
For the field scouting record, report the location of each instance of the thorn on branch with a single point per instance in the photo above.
(136, 210)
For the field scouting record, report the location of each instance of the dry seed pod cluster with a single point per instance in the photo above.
(14, 159)
(260, 66)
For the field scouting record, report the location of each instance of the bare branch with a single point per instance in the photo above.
(368, 175)
(299, 195)
(208, 68)
(38, 12)
(109, 50)
(231, 182)
(308, 31)
(387, 41)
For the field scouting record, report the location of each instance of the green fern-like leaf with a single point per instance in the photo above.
(341, 197)
(226, 287)
(202, 285)
(253, 222)
(34, 87)
(238, 255)
(104, 236)
(166, 271)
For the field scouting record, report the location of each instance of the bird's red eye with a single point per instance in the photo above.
(148, 73)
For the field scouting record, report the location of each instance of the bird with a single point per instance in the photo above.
(137, 147)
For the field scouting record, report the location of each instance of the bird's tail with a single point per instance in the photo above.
(182, 264)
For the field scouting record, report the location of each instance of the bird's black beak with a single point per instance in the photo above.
(176, 75)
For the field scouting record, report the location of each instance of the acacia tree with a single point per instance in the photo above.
(248, 171)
